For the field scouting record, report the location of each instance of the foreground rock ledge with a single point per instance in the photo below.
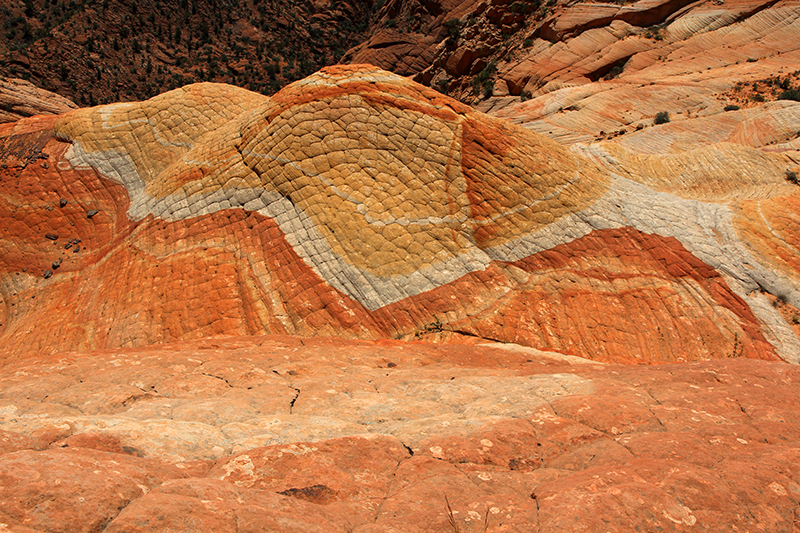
(288, 434)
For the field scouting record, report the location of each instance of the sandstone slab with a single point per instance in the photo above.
(705, 445)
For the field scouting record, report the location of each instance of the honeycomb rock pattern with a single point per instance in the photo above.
(357, 203)
(369, 183)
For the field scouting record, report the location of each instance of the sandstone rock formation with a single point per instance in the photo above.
(359, 204)
(295, 435)
(249, 231)
(603, 76)
(19, 98)
(692, 51)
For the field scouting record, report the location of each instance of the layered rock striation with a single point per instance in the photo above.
(357, 203)
(20, 98)
(722, 72)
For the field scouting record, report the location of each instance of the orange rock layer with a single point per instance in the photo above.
(326, 435)
(356, 203)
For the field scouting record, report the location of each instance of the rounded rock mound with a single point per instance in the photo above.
(357, 203)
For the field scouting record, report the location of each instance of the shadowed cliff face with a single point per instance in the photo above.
(359, 204)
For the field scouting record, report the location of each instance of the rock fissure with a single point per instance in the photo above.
(221, 378)
(294, 399)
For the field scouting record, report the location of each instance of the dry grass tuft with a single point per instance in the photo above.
(451, 519)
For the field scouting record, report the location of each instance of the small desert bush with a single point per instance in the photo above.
(483, 81)
(453, 27)
(662, 117)
(790, 94)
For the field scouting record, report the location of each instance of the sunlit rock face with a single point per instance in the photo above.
(295, 434)
(20, 98)
(359, 204)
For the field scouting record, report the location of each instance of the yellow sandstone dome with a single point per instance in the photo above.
(358, 203)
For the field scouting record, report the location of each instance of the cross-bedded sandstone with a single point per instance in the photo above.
(358, 203)
(20, 98)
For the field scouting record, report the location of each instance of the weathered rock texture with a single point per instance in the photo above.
(293, 435)
(597, 72)
(19, 98)
(359, 204)
(693, 52)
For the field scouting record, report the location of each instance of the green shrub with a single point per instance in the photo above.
(732, 107)
(615, 71)
(654, 32)
(523, 7)
(453, 27)
(790, 94)
(518, 7)
(483, 81)
(662, 117)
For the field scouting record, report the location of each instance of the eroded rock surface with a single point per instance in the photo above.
(292, 434)
(360, 204)
(19, 98)
(721, 71)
